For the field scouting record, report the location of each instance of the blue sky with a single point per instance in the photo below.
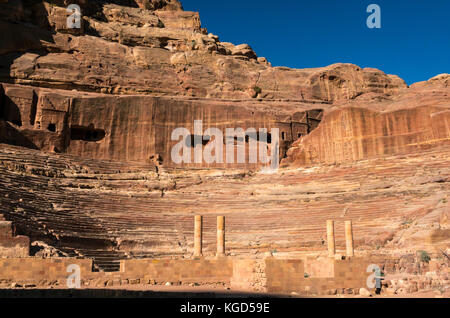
(413, 41)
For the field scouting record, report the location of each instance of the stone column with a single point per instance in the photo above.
(220, 236)
(198, 236)
(349, 238)
(330, 238)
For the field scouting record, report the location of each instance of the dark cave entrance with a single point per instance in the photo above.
(51, 127)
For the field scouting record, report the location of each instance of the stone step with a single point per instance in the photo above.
(6, 229)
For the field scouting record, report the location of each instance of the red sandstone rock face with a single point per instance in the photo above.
(127, 50)
(136, 128)
(122, 48)
(116, 88)
(360, 133)
(377, 125)
(130, 50)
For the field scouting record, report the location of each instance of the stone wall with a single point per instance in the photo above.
(187, 271)
(33, 270)
(136, 128)
(283, 275)
(54, 271)
(10, 245)
(139, 128)
(305, 277)
(324, 276)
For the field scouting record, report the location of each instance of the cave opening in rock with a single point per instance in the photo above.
(191, 140)
(33, 109)
(51, 127)
(314, 117)
(259, 136)
(86, 133)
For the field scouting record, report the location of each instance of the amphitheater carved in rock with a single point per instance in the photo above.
(87, 177)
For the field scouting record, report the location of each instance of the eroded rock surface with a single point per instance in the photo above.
(123, 49)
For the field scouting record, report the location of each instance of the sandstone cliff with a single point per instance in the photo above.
(154, 48)
(86, 116)
(376, 125)
(121, 49)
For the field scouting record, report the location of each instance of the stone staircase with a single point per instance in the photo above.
(106, 261)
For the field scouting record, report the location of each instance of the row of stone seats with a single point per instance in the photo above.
(285, 211)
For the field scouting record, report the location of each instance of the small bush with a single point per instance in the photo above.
(407, 222)
(424, 256)
(257, 89)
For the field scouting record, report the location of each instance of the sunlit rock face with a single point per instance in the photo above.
(139, 127)
(154, 48)
(122, 48)
(374, 125)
